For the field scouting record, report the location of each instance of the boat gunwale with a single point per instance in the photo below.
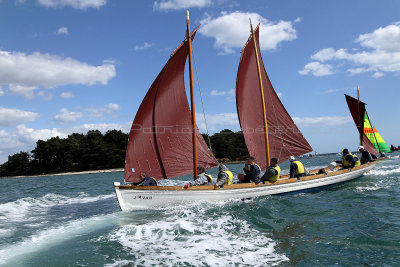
(246, 185)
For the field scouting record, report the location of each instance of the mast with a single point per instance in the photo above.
(262, 97)
(192, 98)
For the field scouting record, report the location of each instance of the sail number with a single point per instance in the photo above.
(143, 197)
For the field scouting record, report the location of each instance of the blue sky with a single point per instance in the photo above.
(74, 65)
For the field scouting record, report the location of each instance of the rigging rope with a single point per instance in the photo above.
(202, 104)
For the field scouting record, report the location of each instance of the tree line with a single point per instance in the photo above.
(95, 151)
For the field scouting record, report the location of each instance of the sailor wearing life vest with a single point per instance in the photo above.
(349, 160)
(252, 172)
(366, 156)
(224, 176)
(201, 179)
(297, 169)
(273, 172)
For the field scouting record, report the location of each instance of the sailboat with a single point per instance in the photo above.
(164, 140)
(369, 136)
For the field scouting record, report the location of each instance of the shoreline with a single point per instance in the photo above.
(66, 173)
(89, 172)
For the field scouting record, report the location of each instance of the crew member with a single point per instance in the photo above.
(252, 172)
(145, 180)
(349, 160)
(297, 169)
(272, 173)
(224, 176)
(202, 178)
(365, 155)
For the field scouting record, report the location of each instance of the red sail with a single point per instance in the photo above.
(357, 110)
(160, 140)
(285, 139)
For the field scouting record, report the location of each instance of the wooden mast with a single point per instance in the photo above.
(267, 156)
(194, 132)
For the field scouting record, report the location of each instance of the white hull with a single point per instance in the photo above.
(139, 199)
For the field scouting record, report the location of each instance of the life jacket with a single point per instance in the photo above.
(300, 168)
(259, 168)
(209, 177)
(276, 177)
(230, 177)
(348, 163)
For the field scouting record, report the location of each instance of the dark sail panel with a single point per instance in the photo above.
(357, 110)
(160, 141)
(285, 139)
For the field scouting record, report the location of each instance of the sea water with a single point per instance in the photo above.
(75, 220)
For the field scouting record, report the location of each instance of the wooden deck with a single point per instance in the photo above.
(282, 180)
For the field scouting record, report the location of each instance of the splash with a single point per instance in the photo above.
(53, 236)
(193, 237)
(23, 208)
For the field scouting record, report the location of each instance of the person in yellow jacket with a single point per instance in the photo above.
(349, 160)
(201, 179)
(224, 176)
(297, 169)
(272, 173)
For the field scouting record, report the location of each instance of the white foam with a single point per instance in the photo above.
(194, 237)
(26, 207)
(384, 172)
(374, 187)
(53, 236)
(6, 232)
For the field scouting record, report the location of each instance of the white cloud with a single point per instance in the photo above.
(26, 91)
(322, 121)
(180, 4)
(377, 75)
(217, 121)
(316, 69)
(102, 127)
(107, 110)
(10, 116)
(67, 95)
(144, 46)
(280, 95)
(112, 107)
(379, 52)
(23, 138)
(218, 93)
(1, 91)
(231, 30)
(45, 95)
(65, 116)
(357, 71)
(62, 31)
(25, 73)
(77, 4)
(331, 91)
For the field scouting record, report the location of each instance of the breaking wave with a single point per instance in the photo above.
(192, 237)
(50, 237)
(385, 171)
(31, 207)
